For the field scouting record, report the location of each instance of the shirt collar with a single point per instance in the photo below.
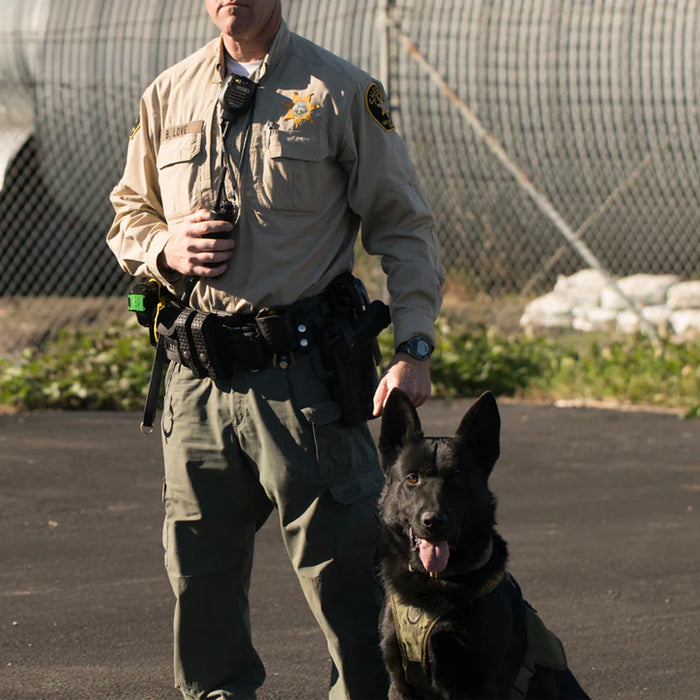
(272, 58)
(277, 50)
(221, 57)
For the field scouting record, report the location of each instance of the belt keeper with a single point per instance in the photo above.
(181, 326)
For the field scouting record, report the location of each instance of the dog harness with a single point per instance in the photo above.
(415, 625)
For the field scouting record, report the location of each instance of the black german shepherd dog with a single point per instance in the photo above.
(455, 624)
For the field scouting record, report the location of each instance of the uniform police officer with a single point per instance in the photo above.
(314, 155)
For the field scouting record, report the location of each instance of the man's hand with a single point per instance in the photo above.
(408, 374)
(194, 246)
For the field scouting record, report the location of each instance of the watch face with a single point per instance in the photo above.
(420, 348)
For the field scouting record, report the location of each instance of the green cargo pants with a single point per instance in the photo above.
(233, 453)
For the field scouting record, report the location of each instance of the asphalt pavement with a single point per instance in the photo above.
(601, 510)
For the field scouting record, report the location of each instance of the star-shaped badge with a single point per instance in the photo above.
(300, 108)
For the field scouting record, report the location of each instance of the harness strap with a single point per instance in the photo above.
(414, 626)
(521, 683)
(413, 629)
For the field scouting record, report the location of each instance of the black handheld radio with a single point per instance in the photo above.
(235, 99)
(236, 96)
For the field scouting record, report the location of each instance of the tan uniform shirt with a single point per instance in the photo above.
(323, 157)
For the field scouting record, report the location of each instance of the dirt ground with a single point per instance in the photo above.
(31, 321)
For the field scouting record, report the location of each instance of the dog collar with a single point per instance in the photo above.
(491, 583)
(485, 557)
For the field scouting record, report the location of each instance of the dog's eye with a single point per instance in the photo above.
(413, 478)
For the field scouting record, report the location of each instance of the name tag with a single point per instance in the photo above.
(172, 132)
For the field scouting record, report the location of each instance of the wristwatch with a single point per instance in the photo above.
(418, 347)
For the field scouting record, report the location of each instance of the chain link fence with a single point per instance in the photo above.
(549, 135)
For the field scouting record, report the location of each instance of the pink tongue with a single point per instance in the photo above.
(434, 555)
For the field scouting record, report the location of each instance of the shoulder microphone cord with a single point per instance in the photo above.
(237, 97)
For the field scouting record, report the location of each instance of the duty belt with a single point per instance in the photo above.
(213, 345)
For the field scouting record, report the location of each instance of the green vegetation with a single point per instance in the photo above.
(81, 370)
(109, 369)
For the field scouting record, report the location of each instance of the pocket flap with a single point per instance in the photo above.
(287, 144)
(362, 485)
(179, 150)
(322, 413)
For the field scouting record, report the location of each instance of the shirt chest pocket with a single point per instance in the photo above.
(180, 161)
(294, 170)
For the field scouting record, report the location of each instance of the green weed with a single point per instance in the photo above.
(109, 369)
(81, 370)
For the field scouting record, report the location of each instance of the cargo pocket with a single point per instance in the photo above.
(347, 457)
(348, 461)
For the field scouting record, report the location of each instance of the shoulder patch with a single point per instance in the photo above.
(378, 108)
(135, 128)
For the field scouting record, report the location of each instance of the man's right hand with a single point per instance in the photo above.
(195, 250)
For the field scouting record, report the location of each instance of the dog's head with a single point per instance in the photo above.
(436, 496)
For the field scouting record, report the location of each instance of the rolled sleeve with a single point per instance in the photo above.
(139, 231)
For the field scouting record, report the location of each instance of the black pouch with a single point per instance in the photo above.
(214, 351)
(248, 347)
(174, 328)
(277, 328)
(196, 340)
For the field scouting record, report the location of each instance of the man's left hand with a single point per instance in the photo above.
(408, 374)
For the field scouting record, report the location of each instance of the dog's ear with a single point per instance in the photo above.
(400, 425)
(479, 431)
